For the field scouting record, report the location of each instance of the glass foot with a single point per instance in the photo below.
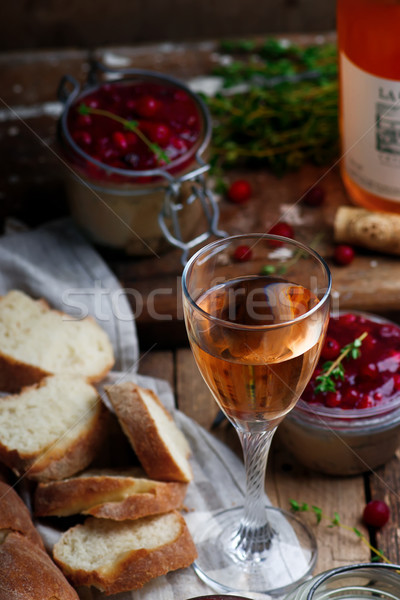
(271, 561)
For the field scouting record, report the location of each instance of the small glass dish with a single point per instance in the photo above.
(370, 581)
(338, 441)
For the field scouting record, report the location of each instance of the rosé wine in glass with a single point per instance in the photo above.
(256, 340)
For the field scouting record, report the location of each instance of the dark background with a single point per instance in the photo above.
(40, 24)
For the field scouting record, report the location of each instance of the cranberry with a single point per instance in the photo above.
(181, 96)
(179, 143)
(365, 402)
(348, 319)
(333, 399)
(396, 381)
(159, 134)
(330, 349)
(370, 370)
(343, 254)
(378, 396)
(239, 191)
(84, 120)
(283, 229)
(120, 140)
(350, 398)
(147, 106)
(131, 138)
(376, 513)
(82, 137)
(242, 253)
(314, 196)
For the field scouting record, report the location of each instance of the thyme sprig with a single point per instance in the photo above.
(332, 370)
(335, 521)
(128, 124)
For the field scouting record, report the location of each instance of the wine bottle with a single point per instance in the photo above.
(369, 66)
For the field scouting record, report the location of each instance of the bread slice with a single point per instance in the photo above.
(109, 495)
(53, 429)
(117, 556)
(36, 341)
(28, 573)
(15, 516)
(160, 446)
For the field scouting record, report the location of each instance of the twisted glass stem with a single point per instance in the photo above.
(252, 540)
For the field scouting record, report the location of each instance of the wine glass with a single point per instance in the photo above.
(256, 309)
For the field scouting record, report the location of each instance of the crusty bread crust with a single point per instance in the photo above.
(137, 567)
(143, 433)
(101, 496)
(60, 460)
(27, 572)
(15, 516)
(15, 375)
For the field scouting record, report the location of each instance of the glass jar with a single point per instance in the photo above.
(369, 54)
(369, 581)
(354, 582)
(343, 441)
(136, 148)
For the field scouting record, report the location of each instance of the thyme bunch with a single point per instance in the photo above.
(287, 114)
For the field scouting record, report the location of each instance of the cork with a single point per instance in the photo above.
(373, 230)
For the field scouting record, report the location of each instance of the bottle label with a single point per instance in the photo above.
(370, 116)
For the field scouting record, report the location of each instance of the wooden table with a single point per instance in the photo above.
(31, 189)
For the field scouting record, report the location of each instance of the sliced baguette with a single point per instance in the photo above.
(53, 429)
(160, 446)
(117, 556)
(28, 573)
(15, 516)
(36, 341)
(109, 495)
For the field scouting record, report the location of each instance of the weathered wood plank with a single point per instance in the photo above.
(385, 485)
(287, 479)
(158, 364)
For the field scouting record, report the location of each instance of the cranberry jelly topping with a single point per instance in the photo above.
(165, 115)
(370, 380)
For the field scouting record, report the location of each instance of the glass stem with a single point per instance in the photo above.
(254, 536)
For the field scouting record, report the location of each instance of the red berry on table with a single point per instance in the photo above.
(147, 106)
(330, 349)
(283, 229)
(343, 254)
(239, 191)
(314, 196)
(376, 513)
(242, 253)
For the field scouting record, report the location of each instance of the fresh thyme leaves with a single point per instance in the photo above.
(335, 521)
(334, 370)
(131, 125)
(287, 112)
